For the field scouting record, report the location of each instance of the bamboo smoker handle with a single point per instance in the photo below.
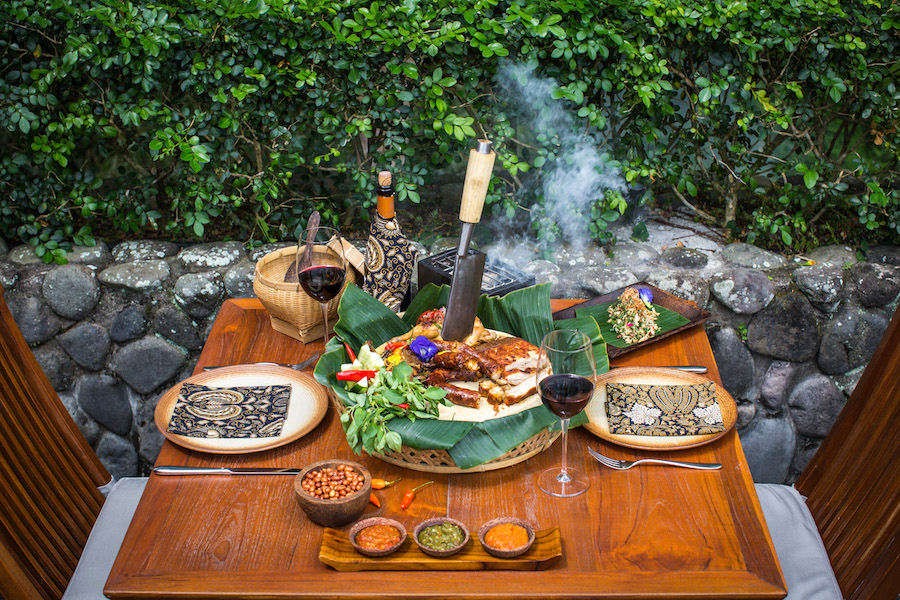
(478, 177)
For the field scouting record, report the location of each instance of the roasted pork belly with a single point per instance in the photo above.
(524, 389)
(511, 353)
(458, 354)
(439, 376)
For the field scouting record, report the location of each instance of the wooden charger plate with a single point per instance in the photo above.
(338, 553)
(598, 423)
(308, 404)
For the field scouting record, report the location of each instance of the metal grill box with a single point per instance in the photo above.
(499, 278)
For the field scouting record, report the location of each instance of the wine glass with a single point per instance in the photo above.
(321, 266)
(565, 381)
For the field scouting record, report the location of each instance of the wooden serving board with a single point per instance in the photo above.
(338, 553)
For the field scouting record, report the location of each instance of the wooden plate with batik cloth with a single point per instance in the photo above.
(654, 408)
(242, 408)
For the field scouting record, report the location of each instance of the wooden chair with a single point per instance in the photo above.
(852, 494)
(51, 482)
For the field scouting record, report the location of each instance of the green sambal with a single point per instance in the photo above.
(443, 536)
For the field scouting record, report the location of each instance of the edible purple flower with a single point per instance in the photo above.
(646, 295)
(423, 347)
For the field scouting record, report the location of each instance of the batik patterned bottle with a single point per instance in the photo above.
(390, 257)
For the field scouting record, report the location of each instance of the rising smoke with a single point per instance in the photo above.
(580, 174)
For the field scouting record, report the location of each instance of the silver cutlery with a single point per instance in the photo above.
(688, 368)
(297, 367)
(177, 470)
(613, 463)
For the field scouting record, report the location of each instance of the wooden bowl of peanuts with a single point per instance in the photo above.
(333, 492)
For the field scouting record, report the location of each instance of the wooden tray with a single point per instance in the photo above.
(338, 553)
(686, 308)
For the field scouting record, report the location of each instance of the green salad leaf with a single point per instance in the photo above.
(396, 394)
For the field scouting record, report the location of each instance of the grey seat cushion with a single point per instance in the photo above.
(804, 561)
(105, 539)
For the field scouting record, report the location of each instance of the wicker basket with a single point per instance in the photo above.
(440, 461)
(291, 311)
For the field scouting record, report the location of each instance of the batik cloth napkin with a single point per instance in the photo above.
(234, 412)
(646, 409)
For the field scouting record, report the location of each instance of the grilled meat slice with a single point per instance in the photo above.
(461, 396)
(519, 392)
(510, 353)
(439, 376)
(487, 366)
(492, 392)
(518, 361)
(455, 360)
(413, 360)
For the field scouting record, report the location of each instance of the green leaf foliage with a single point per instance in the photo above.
(188, 120)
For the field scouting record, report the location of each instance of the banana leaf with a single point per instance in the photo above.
(590, 327)
(363, 318)
(496, 437)
(525, 313)
(429, 297)
(430, 434)
(667, 321)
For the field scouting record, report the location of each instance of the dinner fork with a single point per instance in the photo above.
(613, 463)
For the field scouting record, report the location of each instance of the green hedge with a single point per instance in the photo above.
(236, 118)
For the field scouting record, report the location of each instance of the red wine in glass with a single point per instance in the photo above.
(566, 395)
(565, 380)
(322, 282)
(320, 265)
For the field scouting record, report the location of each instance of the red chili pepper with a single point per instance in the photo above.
(350, 352)
(354, 375)
(374, 500)
(380, 484)
(394, 345)
(410, 494)
(403, 405)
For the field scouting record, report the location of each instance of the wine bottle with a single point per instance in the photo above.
(390, 257)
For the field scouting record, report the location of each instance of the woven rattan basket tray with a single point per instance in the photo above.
(439, 461)
(290, 310)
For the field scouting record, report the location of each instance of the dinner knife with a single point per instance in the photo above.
(688, 368)
(178, 470)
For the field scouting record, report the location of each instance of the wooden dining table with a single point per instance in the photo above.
(649, 532)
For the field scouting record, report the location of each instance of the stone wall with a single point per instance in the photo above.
(115, 328)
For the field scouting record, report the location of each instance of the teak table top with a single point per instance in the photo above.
(658, 532)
